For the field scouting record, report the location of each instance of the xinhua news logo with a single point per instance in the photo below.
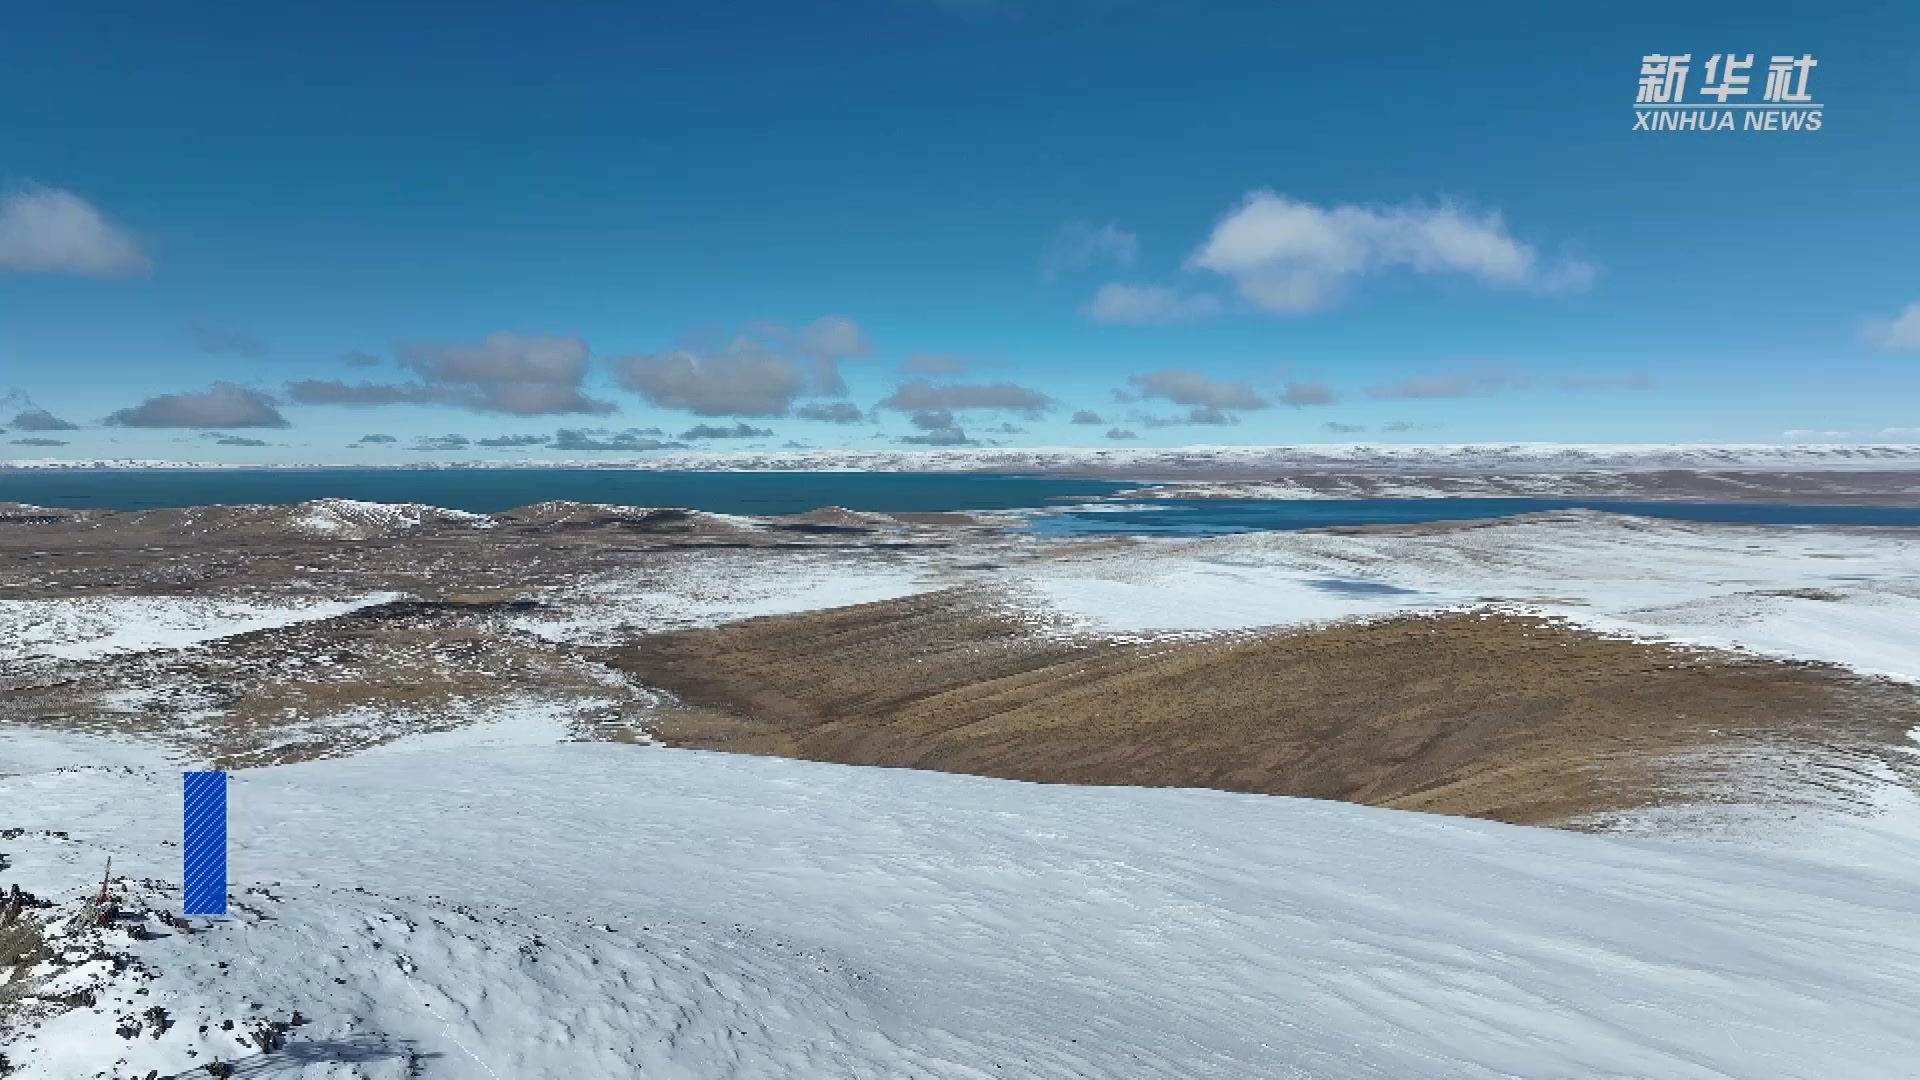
(1786, 104)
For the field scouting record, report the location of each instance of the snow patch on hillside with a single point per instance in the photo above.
(91, 627)
(1202, 596)
(715, 587)
(1850, 597)
(352, 519)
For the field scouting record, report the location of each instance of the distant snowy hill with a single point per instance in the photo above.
(1457, 458)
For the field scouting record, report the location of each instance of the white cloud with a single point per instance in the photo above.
(510, 373)
(1184, 386)
(502, 372)
(831, 412)
(1293, 257)
(743, 378)
(1900, 332)
(50, 231)
(222, 405)
(936, 364)
(834, 337)
(921, 396)
(1307, 393)
(1079, 245)
(761, 371)
(1482, 378)
(826, 340)
(220, 341)
(1147, 304)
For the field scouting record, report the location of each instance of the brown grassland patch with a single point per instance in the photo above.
(1500, 716)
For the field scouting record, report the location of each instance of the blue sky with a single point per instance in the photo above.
(973, 219)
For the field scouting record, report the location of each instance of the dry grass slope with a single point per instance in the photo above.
(1498, 716)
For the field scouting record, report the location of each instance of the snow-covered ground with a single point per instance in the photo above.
(594, 910)
(496, 902)
(1845, 596)
(89, 627)
(710, 588)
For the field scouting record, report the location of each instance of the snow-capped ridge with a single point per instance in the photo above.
(360, 520)
(1538, 457)
(570, 513)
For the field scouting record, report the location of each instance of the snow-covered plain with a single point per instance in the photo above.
(495, 902)
(90, 627)
(594, 910)
(1845, 596)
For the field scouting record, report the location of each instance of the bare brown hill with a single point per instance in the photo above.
(1499, 716)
